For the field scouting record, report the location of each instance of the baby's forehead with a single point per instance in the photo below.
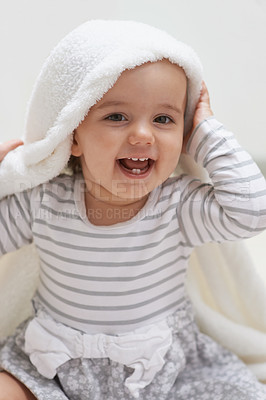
(160, 82)
(162, 70)
(152, 72)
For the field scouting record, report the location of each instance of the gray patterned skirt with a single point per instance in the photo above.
(196, 368)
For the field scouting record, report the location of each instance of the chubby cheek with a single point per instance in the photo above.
(170, 157)
(98, 167)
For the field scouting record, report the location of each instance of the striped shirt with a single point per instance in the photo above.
(114, 279)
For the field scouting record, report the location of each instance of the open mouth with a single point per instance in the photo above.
(138, 167)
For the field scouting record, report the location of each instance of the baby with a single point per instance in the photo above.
(112, 319)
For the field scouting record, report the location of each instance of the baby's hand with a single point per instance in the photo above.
(203, 108)
(8, 146)
(202, 111)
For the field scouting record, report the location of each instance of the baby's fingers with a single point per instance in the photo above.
(203, 108)
(204, 96)
(6, 147)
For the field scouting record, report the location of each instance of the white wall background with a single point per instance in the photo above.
(228, 35)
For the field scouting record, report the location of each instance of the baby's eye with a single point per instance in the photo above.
(163, 119)
(116, 117)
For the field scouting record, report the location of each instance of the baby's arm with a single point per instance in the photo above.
(233, 204)
(15, 218)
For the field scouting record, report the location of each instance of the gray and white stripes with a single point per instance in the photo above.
(117, 278)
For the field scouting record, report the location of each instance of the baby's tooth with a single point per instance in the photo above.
(136, 171)
(137, 159)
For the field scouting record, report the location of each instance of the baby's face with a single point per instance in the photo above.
(131, 140)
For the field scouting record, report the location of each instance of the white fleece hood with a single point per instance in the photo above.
(81, 68)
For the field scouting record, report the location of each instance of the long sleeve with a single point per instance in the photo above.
(233, 204)
(15, 222)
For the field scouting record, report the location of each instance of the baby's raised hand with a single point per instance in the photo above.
(8, 146)
(203, 110)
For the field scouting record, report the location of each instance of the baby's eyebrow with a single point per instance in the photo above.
(111, 103)
(120, 103)
(170, 107)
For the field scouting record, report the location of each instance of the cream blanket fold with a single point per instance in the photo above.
(228, 296)
(229, 299)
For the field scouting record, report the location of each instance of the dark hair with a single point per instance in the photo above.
(74, 164)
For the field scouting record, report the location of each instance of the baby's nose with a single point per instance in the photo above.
(141, 134)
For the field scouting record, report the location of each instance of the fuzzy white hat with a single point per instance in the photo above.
(81, 68)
